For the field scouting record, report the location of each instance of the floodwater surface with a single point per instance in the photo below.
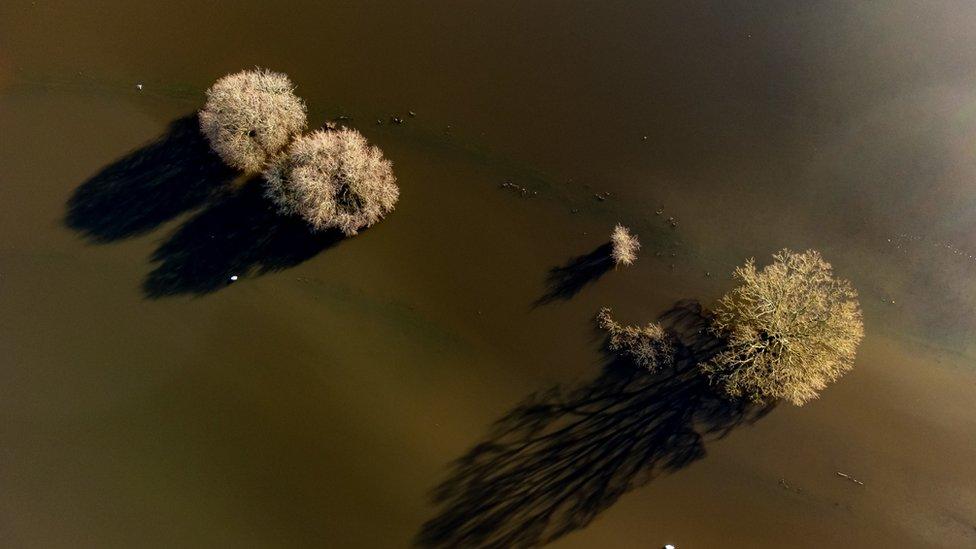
(437, 380)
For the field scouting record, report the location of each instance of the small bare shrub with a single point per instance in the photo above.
(250, 116)
(649, 346)
(333, 179)
(623, 245)
(792, 328)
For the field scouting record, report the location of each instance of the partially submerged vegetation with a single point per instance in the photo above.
(788, 330)
(791, 328)
(334, 180)
(649, 346)
(623, 245)
(250, 116)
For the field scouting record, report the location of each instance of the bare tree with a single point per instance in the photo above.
(650, 346)
(791, 328)
(251, 115)
(624, 245)
(334, 179)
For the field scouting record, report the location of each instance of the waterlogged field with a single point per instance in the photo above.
(372, 391)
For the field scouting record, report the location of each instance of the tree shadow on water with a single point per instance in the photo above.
(562, 457)
(233, 230)
(239, 233)
(174, 174)
(567, 280)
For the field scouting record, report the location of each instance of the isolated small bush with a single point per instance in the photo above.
(333, 179)
(649, 346)
(623, 245)
(791, 329)
(251, 115)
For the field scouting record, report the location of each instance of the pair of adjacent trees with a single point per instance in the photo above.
(790, 328)
(331, 177)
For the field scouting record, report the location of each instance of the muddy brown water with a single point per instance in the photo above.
(324, 398)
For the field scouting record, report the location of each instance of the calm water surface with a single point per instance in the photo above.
(324, 398)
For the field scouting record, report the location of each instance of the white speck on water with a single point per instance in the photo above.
(669, 546)
(139, 87)
(233, 278)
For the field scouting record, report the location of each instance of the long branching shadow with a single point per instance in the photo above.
(567, 280)
(555, 462)
(237, 234)
(174, 174)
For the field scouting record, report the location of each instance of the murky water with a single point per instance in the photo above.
(324, 398)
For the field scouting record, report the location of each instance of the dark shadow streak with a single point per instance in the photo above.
(568, 280)
(558, 460)
(238, 233)
(231, 232)
(149, 186)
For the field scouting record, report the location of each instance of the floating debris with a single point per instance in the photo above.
(673, 221)
(659, 211)
(233, 278)
(644, 138)
(518, 188)
(786, 486)
(903, 242)
(850, 478)
(396, 120)
(411, 113)
(379, 122)
(139, 87)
